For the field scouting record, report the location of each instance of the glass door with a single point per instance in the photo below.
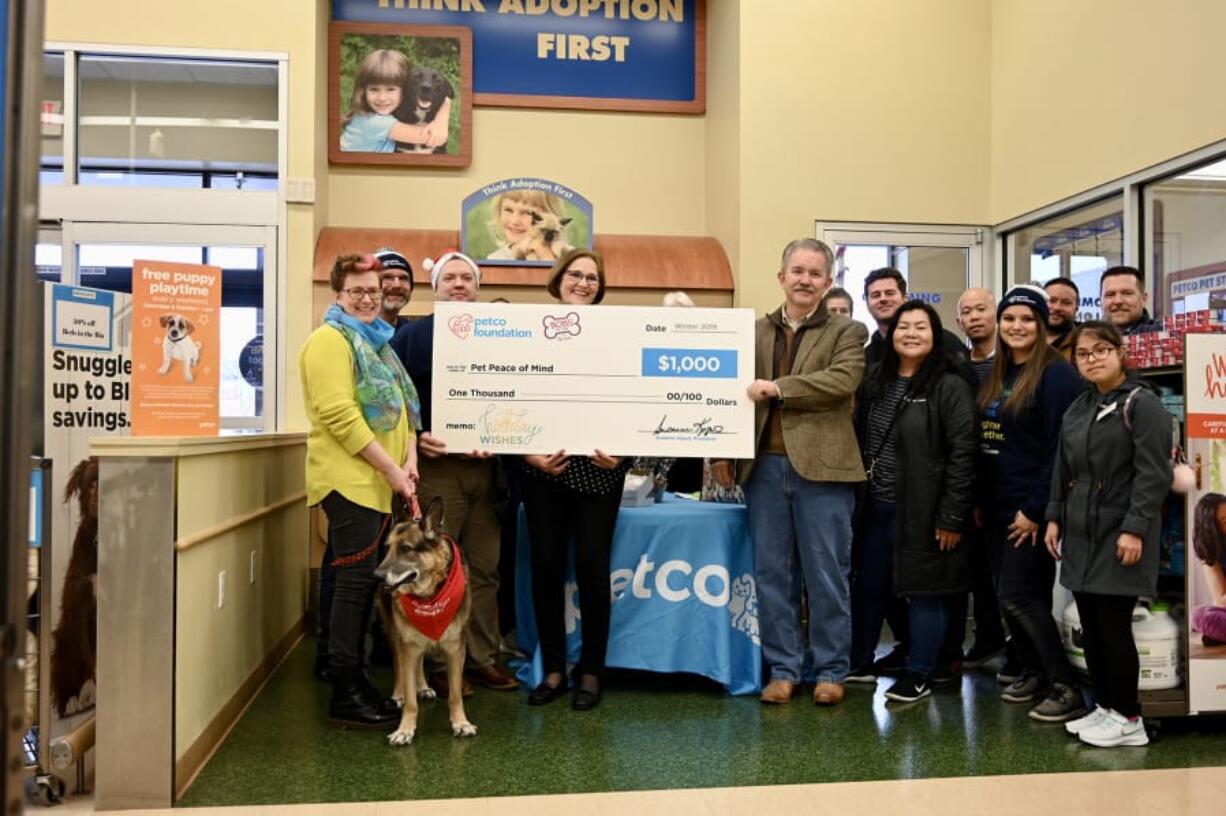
(938, 263)
(100, 255)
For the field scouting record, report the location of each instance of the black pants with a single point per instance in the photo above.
(989, 631)
(556, 513)
(351, 529)
(1111, 653)
(1024, 577)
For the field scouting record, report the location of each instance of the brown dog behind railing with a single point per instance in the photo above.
(74, 653)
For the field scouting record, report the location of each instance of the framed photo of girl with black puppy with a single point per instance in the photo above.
(399, 95)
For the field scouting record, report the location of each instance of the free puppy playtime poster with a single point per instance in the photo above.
(175, 349)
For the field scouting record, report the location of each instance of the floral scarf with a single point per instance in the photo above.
(383, 386)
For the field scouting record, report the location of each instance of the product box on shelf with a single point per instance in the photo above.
(1164, 348)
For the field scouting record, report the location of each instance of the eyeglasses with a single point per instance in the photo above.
(1096, 353)
(358, 293)
(576, 277)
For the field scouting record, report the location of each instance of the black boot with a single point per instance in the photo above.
(353, 706)
(385, 705)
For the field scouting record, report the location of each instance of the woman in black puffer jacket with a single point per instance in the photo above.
(915, 421)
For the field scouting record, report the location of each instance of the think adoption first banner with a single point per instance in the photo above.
(175, 349)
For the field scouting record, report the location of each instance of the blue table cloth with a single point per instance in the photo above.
(684, 595)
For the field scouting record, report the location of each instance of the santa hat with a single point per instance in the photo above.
(435, 267)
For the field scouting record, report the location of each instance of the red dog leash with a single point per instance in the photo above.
(366, 552)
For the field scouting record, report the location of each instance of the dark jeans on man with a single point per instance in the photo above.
(1024, 577)
(555, 513)
(351, 529)
(989, 631)
(1111, 653)
(872, 579)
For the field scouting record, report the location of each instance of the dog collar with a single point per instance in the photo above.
(431, 616)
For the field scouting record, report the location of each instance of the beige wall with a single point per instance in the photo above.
(874, 110)
(643, 173)
(1086, 92)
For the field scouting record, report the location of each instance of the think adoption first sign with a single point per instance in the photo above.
(176, 344)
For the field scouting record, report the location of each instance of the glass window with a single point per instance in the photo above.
(51, 120)
(1185, 217)
(1078, 244)
(141, 114)
(241, 181)
(48, 256)
(852, 263)
(109, 266)
(934, 274)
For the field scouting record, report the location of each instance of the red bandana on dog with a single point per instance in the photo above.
(433, 615)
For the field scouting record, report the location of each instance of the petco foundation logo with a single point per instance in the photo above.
(561, 328)
(676, 581)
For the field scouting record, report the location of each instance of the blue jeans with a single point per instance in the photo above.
(795, 523)
(929, 616)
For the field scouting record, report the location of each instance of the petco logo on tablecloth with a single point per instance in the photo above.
(710, 584)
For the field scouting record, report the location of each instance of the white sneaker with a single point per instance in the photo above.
(1088, 721)
(1115, 729)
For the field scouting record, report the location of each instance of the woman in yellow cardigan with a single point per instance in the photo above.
(361, 450)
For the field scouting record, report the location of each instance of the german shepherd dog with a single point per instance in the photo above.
(418, 562)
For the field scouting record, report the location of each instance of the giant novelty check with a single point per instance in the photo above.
(629, 380)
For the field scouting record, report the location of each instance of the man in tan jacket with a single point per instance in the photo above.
(800, 489)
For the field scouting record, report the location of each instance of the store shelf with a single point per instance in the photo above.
(1162, 371)
(1164, 703)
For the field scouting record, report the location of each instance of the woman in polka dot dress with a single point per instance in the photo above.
(575, 497)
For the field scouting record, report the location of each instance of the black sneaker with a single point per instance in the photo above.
(1063, 703)
(1023, 689)
(978, 655)
(1010, 673)
(947, 674)
(893, 663)
(908, 690)
(863, 674)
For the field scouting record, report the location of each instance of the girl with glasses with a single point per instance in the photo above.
(361, 451)
(1112, 473)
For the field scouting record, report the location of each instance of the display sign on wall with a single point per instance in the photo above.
(175, 349)
(399, 94)
(524, 222)
(1205, 400)
(86, 369)
(639, 55)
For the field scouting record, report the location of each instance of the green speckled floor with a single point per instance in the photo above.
(652, 732)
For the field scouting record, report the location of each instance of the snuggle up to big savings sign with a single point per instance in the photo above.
(176, 346)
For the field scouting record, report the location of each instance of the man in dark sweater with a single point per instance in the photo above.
(464, 480)
(1063, 297)
(1123, 291)
(977, 319)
